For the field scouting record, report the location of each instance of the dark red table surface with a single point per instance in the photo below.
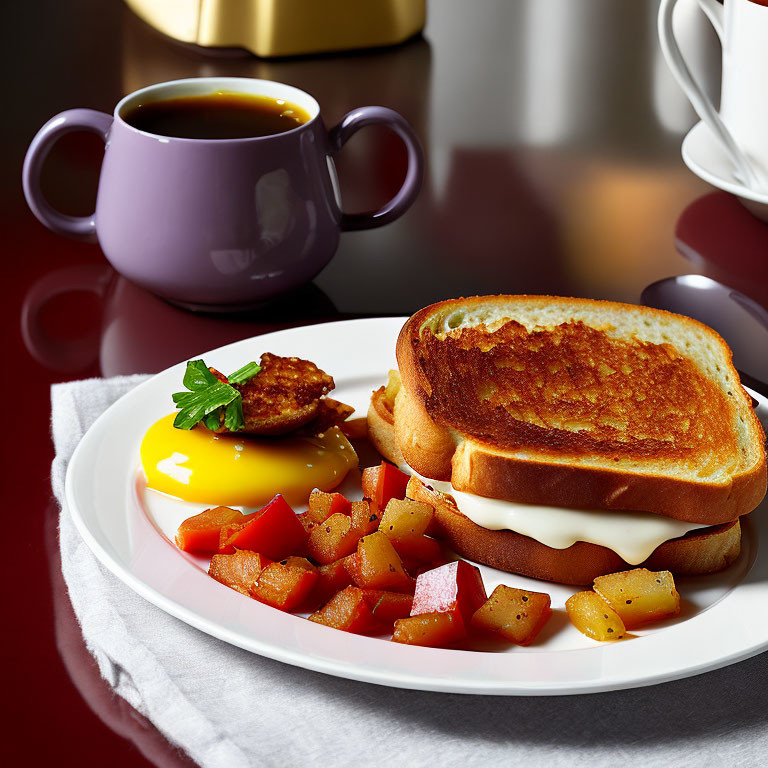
(552, 134)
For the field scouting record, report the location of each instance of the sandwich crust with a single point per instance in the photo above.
(578, 403)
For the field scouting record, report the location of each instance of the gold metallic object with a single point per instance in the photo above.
(285, 27)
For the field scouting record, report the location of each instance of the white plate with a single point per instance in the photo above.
(723, 619)
(705, 156)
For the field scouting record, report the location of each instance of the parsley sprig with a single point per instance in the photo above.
(210, 400)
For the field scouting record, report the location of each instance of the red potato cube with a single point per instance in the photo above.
(226, 533)
(455, 588)
(331, 578)
(516, 614)
(238, 570)
(286, 584)
(435, 630)
(420, 552)
(382, 483)
(391, 484)
(348, 610)
(275, 531)
(332, 540)
(388, 607)
(200, 534)
(376, 565)
(370, 480)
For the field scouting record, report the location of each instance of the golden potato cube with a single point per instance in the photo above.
(640, 596)
(364, 519)
(376, 565)
(333, 539)
(405, 519)
(434, 630)
(516, 614)
(592, 616)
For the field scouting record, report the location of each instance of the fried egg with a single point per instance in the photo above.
(201, 467)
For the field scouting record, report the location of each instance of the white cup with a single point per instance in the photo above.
(742, 124)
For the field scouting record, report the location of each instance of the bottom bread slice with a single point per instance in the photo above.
(701, 551)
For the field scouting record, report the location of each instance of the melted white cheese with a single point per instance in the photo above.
(633, 536)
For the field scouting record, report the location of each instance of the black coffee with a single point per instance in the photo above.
(219, 115)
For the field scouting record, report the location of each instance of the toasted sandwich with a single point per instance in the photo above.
(563, 439)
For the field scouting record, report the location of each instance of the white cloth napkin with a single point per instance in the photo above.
(229, 708)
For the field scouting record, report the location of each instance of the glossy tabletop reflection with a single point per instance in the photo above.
(552, 132)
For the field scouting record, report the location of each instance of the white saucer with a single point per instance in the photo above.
(705, 156)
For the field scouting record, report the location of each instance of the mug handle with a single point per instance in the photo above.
(80, 227)
(699, 100)
(359, 118)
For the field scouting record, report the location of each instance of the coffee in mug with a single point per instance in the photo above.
(220, 115)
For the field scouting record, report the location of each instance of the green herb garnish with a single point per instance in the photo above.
(248, 371)
(210, 400)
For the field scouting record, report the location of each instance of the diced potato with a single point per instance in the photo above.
(405, 519)
(202, 532)
(455, 588)
(435, 630)
(285, 584)
(404, 523)
(364, 519)
(640, 596)
(327, 504)
(419, 554)
(382, 483)
(332, 540)
(321, 506)
(516, 614)
(348, 610)
(387, 607)
(392, 388)
(274, 530)
(592, 616)
(239, 570)
(331, 578)
(376, 565)
(370, 480)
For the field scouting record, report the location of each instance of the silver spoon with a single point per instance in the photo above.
(742, 322)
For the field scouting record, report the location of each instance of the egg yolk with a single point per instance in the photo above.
(198, 465)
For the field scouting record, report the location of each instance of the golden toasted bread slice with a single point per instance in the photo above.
(286, 395)
(578, 403)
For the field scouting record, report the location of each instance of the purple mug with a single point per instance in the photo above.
(216, 224)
